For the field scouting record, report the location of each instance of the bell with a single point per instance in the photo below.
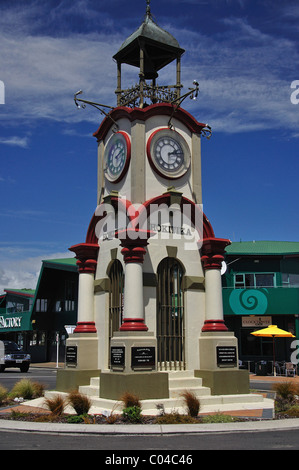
(150, 73)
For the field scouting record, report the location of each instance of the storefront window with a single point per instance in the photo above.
(253, 280)
(41, 305)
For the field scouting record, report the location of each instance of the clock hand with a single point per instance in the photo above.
(175, 152)
(120, 151)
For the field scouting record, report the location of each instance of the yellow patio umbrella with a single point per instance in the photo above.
(274, 332)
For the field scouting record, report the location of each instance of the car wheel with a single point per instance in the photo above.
(2, 368)
(24, 367)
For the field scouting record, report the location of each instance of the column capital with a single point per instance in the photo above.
(133, 243)
(87, 256)
(212, 252)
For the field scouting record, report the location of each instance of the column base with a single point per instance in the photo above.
(214, 325)
(133, 324)
(225, 382)
(85, 327)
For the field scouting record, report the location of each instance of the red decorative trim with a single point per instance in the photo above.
(85, 327)
(214, 325)
(87, 256)
(133, 243)
(205, 232)
(117, 203)
(143, 114)
(87, 266)
(133, 254)
(133, 324)
(212, 262)
(213, 252)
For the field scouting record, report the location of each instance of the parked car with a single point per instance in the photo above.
(11, 355)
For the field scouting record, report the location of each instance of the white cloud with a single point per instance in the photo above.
(15, 141)
(240, 68)
(17, 272)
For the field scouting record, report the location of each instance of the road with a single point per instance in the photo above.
(130, 445)
(46, 376)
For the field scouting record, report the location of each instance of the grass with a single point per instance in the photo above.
(27, 389)
(3, 394)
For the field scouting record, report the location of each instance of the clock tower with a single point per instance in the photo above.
(150, 294)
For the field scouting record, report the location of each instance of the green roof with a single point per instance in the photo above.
(263, 247)
(30, 292)
(68, 261)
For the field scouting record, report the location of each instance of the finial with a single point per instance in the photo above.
(148, 8)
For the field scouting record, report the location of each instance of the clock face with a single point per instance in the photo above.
(117, 156)
(168, 153)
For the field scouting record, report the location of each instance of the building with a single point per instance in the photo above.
(260, 288)
(15, 315)
(39, 319)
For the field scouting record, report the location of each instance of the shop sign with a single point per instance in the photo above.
(17, 322)
(256, 321)
(10, 322)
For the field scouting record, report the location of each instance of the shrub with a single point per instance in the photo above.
(81, 403)
(293, 411)
(217, 418)
(56, 405)
(130, 400)
(24, 388)
(132, 414)
(75, 419)
(286, 390)
(192, 403)
(175, 418)
(3, 394)
(285, 395)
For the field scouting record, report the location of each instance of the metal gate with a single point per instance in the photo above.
(116, 290)
(170, 315)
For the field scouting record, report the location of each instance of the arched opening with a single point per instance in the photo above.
(170, 315)
(116, 295)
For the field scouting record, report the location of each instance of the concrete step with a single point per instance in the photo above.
(208, 404)
(180, 381)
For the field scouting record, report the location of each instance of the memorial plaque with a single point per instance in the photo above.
(226, 356)
(71, 355)
(117, 356)
(143, 356)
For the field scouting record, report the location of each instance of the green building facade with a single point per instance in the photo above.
(261, 287)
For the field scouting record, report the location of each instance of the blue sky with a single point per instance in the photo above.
(244, 54)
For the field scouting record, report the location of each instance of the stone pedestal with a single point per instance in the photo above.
(219, 367)
(133, 352)
(133, 367)
(81, 362)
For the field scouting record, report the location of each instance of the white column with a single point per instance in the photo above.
(133, 296)
(212, 257)
(87, 255)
